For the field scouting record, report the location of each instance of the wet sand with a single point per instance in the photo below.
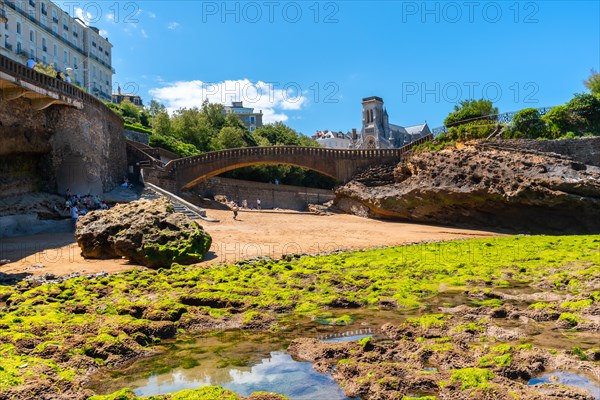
(253, 234)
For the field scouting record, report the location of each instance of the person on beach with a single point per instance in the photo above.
(258, 204)
(235, 209)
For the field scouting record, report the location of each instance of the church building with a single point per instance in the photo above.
(378, 133)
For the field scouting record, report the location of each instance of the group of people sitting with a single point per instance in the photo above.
(76, 205)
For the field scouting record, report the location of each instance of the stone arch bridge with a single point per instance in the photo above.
(184, 173)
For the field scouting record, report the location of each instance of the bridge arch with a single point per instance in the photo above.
(232, 167)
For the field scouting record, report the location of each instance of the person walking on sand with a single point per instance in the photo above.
(235, 209)
(258, 204)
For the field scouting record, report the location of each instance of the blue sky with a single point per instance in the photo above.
(310, 63)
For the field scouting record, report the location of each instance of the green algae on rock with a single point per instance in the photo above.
(203, 393)
(53, 335)
(145, 232)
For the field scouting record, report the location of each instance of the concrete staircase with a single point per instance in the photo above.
(150, 194)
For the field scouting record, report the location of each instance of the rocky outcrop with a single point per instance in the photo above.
(145, 232)
(478, 185)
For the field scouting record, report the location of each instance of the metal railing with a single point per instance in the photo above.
(503, 118)
(29, 75)
(24, 74)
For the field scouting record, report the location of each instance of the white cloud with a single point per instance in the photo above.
(151, 14)
(103, 32)
(144, 34)
(85, 17)
(270, 98)
(173, 25)
(110, 17)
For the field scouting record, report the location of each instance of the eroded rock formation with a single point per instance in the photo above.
(145, 232)
(484, 186)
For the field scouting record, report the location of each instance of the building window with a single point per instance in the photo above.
(66, 57)
(19, 48)
(44, 10)
(45, 60)
(55, 51)
(18, 28)
(253, 119)
(31, 36)
(44, 46)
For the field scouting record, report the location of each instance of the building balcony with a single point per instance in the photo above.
(103, 63)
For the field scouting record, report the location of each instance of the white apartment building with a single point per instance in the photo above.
(43, 31)
(334, 140)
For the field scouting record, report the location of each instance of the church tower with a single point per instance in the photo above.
(375, 123)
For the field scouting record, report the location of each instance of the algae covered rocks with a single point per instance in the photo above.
(145, 232)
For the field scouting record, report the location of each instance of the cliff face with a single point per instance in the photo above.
(483, 186)
(58, 148)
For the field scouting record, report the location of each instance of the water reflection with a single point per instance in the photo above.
(277, 373)
(569, 379)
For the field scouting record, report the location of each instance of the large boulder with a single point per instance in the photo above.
(483, 186)
(146, 232)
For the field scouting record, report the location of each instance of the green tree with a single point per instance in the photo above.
(593, 83)
(172, 144)
(586, 112)
(528, 123)
(213, 113)
(471, 110)
(161, 124)
(190, 125)
(559, 121)
(231, 137)
(145, 118)
(129, 111)
(278, 134)
(155, 108)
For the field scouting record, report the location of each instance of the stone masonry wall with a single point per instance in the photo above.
(584, 150)
(270, 195)
(137, 136)
(59, 147)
